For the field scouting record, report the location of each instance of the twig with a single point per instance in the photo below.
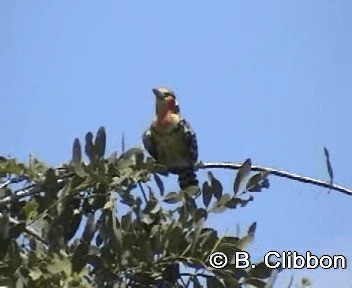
(279, 173)
(21, 193)
(143, 192)
(29, 190)
(196, 274)
(29, 230)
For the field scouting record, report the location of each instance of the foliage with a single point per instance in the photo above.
(100, 224)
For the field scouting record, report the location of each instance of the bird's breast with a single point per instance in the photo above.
(172, 149)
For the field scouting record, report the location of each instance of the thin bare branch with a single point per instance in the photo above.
(34, 189)
(279, 173)
(29, 230)
(143, 192)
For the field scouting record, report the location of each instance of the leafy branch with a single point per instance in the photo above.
(73, 233)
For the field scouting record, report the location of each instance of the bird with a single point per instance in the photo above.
(170, 139)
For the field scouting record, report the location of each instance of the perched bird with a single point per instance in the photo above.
(170, 139)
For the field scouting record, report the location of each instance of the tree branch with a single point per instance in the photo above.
(29, 230)
(279, 173)
(34, 189)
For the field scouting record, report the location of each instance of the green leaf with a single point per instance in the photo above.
(76, 152)
(35, 274)
(252, 228)
(196, 283)
(94, 260)
(89, 147)
(123, 143)
(260, 271)
(128, 158)
(117, 232)
(220, 205)
(30, 209)
(213, 282)
(233, 202)
(10, 166)
(171, 273)
(196, 234)
(255, 282)
(14, 255)
(172, 197)
(79, 257)
(242, 174)
(17, 230)
(79, 170)
(216, 186)
(50, 183)
(230, 281)
(100, 142)
(244, 242)
(207, 194)
(258, 181)
(126, 221)
(159, 183)
(89, 229)
(199, 214)
(328, 165)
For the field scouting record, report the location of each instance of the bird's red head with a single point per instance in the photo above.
(165, 101)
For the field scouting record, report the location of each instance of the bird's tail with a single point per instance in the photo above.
(187, 177)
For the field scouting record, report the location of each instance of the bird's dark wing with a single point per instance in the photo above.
(149, 144)
(191, 140)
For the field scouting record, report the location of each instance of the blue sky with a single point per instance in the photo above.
(270, 80)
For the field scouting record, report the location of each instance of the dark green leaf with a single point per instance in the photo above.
(172, 197)
(126, 221)
(190, 191)
(252, 228)
(233, 202)
(14, 255)
(221, 204)
(147, 219)
(72, 226)
(79, 257)
(76, 152)
(171, 273)
(200, 213)
(79, 170)
(261, 271)
(257, 182)
(213, 282)
(255, 282)
(100, 142)
(242, 174)
(16, 230)
(207, 194)
(89, 147)
(244, 242)
(196, 234)
(216, 186)
(328, 164)
(123, 143)
(30, 209)
(230, 281)
(94, 260)
(89, 229)
(196, 283)
(159, 183)
(117, 232)
(50, 182)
